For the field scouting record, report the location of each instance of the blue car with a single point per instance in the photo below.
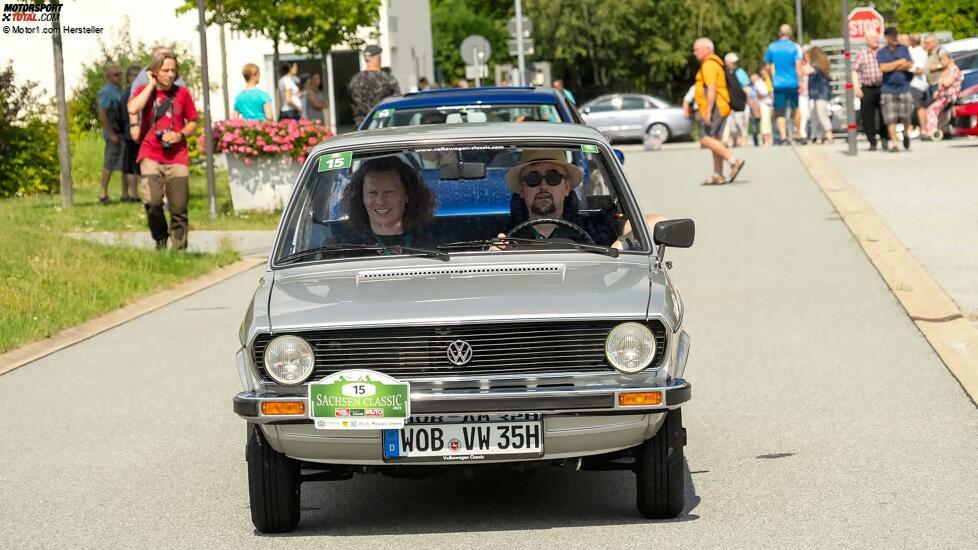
(467, 105)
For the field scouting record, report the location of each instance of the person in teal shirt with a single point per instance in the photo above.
(253, 103)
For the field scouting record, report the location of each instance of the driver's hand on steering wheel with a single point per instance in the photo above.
(499, 247)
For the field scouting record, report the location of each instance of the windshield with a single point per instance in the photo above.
(453, 200)
(459, 114)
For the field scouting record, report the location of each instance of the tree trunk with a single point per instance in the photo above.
(275, 70)
(224, 60)
(64, 146)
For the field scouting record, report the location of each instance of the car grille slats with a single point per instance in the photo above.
(497, 349)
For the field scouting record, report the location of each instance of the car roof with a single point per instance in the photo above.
(965, 44)
(462, 132)
(474, 96)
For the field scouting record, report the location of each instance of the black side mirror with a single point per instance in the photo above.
(674, 233)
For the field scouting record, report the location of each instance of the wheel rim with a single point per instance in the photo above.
(657, 131)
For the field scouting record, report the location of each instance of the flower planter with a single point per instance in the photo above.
(264, 183)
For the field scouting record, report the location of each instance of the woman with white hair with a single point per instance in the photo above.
(948, 87)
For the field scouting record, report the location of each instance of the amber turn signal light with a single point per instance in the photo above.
(270, 408)
(640, 398)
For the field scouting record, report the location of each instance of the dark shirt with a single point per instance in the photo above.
(367, 88)
(392, 243)
(895, 82)
(818, 86)
(600, 227)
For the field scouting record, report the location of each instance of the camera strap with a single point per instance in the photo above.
(162, 108)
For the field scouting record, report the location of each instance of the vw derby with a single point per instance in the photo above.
(455, 296)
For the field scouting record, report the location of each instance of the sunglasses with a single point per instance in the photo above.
(535, 178)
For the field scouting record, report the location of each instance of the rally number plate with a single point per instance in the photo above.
(464, 441)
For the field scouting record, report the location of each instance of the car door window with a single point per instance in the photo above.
(632, 104)
(603, 106)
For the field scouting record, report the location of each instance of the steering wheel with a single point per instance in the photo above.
(555, 221)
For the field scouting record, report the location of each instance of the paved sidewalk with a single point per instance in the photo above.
(251, 244)
(929, 199)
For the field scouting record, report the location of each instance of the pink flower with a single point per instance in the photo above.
(302, 158)
(247, 160)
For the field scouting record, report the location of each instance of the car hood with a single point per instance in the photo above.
(406, 292)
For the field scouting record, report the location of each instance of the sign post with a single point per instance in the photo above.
(862, 21)
(854, 27)
(475, 51)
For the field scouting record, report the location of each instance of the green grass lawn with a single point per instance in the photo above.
(49, 282)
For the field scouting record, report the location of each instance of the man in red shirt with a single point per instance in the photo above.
(168, 118)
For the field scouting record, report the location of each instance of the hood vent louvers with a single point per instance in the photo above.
(460, 271)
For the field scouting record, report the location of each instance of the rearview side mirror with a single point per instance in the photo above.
(674, 233)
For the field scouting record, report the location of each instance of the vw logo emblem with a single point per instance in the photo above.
(459, 352)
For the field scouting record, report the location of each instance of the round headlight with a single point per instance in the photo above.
(630, 347)
(289, 360)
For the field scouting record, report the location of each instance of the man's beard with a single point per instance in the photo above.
(543, 207)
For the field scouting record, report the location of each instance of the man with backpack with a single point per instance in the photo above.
(168, 118)
(737, 122)
(713, 100)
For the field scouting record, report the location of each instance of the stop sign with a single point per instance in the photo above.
(863, 20)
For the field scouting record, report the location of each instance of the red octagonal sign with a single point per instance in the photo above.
(863, 20)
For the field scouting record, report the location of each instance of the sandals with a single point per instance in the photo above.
(735, 169)
(715, 179)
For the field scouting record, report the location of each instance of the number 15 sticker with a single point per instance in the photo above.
(335, 161)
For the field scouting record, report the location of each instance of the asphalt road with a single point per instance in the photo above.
(820, 416)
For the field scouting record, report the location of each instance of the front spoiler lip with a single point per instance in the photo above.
(592, 400)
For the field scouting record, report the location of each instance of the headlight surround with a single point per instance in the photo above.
(630, 347)
(289, 360)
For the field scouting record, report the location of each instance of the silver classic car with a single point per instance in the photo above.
(472, 296)
(636, 116)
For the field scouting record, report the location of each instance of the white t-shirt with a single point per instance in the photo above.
(287, 83)
(919, 58)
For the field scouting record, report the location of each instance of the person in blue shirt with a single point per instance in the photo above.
(783, 58)
(109, 115)
(253, 103)
(895, 97)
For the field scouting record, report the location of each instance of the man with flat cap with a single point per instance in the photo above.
(370, 85)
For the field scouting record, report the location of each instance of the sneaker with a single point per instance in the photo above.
(161, 244)
(104, 201)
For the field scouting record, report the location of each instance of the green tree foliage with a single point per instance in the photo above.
(28, 140)
(453, 20)
(958, 16)
(83, 105)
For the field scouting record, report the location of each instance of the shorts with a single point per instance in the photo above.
(784, 98)
(715, 128)
(920, 98)
(896, 107)
(129, 164)
(737, 121)
(112, 157)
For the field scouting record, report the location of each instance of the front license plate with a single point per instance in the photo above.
(464, 442)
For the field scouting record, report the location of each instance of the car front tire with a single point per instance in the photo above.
(273, 485)
(659, 472)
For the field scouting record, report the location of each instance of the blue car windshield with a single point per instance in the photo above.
(460, 114)
(385, 204)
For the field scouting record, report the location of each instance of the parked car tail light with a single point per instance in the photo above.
(630, 347)
(289, 360)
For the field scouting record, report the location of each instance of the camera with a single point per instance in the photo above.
(159, 137)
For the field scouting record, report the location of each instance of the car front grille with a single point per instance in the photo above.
(510, 348)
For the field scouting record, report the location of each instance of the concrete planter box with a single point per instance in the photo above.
(265, 184)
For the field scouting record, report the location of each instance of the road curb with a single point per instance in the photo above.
(937, 317)
(33, 351)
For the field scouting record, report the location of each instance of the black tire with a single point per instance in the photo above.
(660, 129)
(660, 480)
(273, 485)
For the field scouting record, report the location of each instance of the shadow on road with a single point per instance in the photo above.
(490, 500)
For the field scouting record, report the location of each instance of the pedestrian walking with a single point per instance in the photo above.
(130, 148)
(765, 103)
(948, 88)
(109, 101)
(559, 84)
(713, 101)
(288, 92)
(169, 117)
(897, 103)
(253, 103)
(820, 90)
(783, 59)
(805, 70)
(867, 79)
(736, 128)
(370, 85)
(919, 88)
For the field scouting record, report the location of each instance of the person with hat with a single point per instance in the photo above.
(736, 130)
(368, 87)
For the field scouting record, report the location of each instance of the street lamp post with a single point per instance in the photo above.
(519, 43)
(208, 135)
(850, 93)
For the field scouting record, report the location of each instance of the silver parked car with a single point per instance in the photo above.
(464, 296)
(636, 116)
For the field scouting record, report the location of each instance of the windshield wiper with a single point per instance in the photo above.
(502, 241)
(345, 247)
